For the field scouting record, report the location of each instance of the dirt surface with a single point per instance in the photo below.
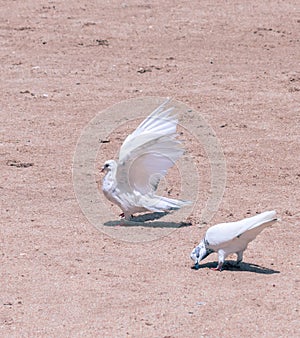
(62, 62)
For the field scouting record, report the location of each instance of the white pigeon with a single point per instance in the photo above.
(228, 238)
(144, 158)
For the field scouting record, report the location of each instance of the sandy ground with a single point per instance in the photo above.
(236, 63)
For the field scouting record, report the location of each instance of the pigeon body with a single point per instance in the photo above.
(228, 238)
(144, 158)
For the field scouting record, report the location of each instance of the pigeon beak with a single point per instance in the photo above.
(195, 255)
(102, 170)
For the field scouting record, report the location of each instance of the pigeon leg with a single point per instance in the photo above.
(127, 216)
(221, 260)
(218, 268)
(123, 218)
(239, 257)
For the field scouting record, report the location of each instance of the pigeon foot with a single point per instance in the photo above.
(218, 268)
(122, 215)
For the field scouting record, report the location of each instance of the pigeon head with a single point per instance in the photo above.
(108, 166)
(200, 252)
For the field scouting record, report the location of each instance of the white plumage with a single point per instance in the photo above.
(228, 238)
(144, 158)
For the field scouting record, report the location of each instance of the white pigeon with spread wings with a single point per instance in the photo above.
(228, 238)
(144, 158)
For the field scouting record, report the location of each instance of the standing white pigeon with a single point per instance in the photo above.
(228, 238)
(144, 158)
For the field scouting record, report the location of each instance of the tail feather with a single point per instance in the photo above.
(265, 217)
(160, 203)
(261, 222)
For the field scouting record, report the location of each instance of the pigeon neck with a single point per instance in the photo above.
(206, 243)
(207, 248)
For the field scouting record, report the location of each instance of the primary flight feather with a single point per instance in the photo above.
(144, 158)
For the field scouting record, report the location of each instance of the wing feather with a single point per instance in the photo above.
(225, 232)
(148, 153)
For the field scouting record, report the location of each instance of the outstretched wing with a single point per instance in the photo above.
(247, 228)
(148, 153)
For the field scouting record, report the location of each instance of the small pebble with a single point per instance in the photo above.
(200, 303)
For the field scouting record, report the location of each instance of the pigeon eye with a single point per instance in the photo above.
(106, 165)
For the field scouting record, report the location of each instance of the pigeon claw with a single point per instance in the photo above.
(122, 215)
(218, 268)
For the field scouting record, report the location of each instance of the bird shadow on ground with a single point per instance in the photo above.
(141, 221)
(232, 266)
